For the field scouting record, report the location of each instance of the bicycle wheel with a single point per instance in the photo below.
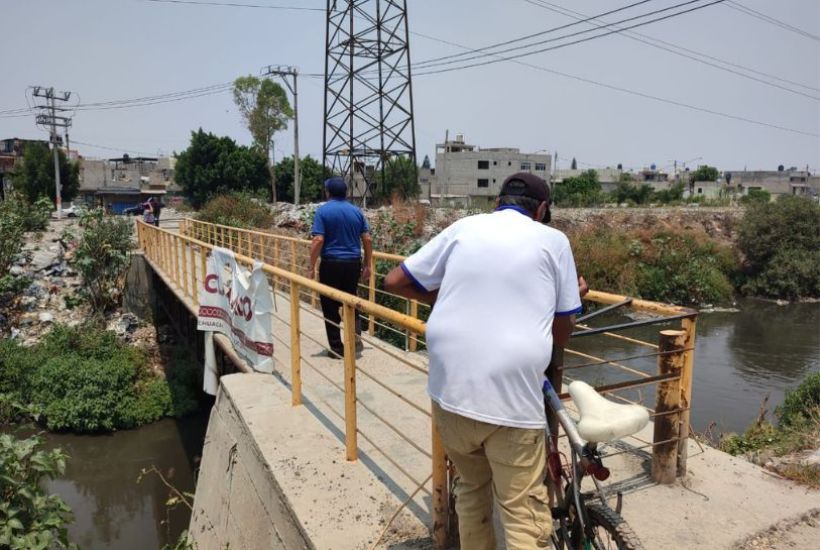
(610, 530)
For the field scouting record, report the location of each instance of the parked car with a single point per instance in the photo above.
(134, 210)
(72, 211)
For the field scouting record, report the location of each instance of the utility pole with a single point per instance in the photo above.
(285, 72)
(53, 121)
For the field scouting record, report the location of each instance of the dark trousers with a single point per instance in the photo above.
(344, 275)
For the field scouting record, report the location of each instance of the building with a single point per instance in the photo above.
(11, 153)
(777, 182)
(123, 182)
(465, 175)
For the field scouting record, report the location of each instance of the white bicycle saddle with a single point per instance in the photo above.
(602, 420)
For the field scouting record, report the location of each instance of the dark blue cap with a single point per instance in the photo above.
(336, 186)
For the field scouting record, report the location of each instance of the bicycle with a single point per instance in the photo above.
(581, 523)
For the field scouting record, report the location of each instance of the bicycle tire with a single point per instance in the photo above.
(619, 531)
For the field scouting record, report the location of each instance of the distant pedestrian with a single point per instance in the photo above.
(340, 231)
(156, 207)
(148, 213)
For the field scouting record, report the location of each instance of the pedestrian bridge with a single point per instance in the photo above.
(330, 453)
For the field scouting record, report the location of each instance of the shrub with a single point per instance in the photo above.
(12, 230)
(85, 380)
(800, 403)
(102, 257)
(583, 190)
(681, 267)
(238, 209)
(780, 242)
(756, 196)
(30, 518)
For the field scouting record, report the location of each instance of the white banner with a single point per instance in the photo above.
(239, 304)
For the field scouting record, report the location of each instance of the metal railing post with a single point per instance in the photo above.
(351, 425)
(441, 497)
(185, 280)
(414, 338)
(371, 295)
(295, 348)
(292, 258)
(687, 374)
(668, 400)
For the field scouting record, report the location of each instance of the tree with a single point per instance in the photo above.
(265, 109)
(628, 191)
(313, 175)
(705, 173)
(400, 178)
(583, 190)
(212, 164)
(35, 177)
(574, 165)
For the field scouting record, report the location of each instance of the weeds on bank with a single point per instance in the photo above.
(84, 379)
(797, 429)
(237, 209)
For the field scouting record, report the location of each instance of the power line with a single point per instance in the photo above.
(235, 5)
(533, 35)
(564, 45)
(117, 149)
(674, 49)
(737, 6)
(635, 92)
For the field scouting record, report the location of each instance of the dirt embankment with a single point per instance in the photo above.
(718, 223)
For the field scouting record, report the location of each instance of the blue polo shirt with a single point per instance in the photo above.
(342, 225)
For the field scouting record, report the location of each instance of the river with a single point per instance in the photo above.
(741, 357)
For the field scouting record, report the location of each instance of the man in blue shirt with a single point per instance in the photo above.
(340, 231)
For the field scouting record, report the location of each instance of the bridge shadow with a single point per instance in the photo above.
(367, 460)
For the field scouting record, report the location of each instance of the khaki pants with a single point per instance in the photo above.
(508, 463)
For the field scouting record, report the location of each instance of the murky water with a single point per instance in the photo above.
(111, 510)
(741, 357)
(764, 349)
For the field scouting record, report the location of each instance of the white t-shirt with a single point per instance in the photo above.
(502, 278)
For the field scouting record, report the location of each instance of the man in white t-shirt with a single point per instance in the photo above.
(505, 290)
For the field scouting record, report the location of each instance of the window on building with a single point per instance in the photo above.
(700, 190)
(525, 165)
(495, 163)
(484, 165)
(509, 163)
(483, 182)
(541, 166)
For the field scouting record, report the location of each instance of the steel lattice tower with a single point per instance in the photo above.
(368, 90)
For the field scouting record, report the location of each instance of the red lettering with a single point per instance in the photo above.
(208, 286)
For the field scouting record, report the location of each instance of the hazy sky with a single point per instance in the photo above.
(118, 49)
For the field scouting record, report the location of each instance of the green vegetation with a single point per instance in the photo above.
(12, 229)
(237, 209)
(400, 179)
(755, 196)
(30, 518)
(797, 429)
(705, 173)
(681, 267)
(313, 176)
(102, 257)
(35, 176)
(583, 190)
(265, 110)
(212, 165)
(781, 245)
(84, 379)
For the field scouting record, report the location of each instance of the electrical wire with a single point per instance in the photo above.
(500, 58)
(737, 6)
(235, 5)
(680, 50)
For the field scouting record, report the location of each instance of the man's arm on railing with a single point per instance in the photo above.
(399, 283)
(562, 326)
(367, 244)
(315, 249)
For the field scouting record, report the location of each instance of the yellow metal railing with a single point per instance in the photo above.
(182, 256)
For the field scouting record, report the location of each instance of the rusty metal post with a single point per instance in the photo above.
(688, 373)
(441, 496)
(371, 295)
(668, 400)
(351, 436)
(295, 348)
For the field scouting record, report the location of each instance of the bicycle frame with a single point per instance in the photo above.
(586, 460)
